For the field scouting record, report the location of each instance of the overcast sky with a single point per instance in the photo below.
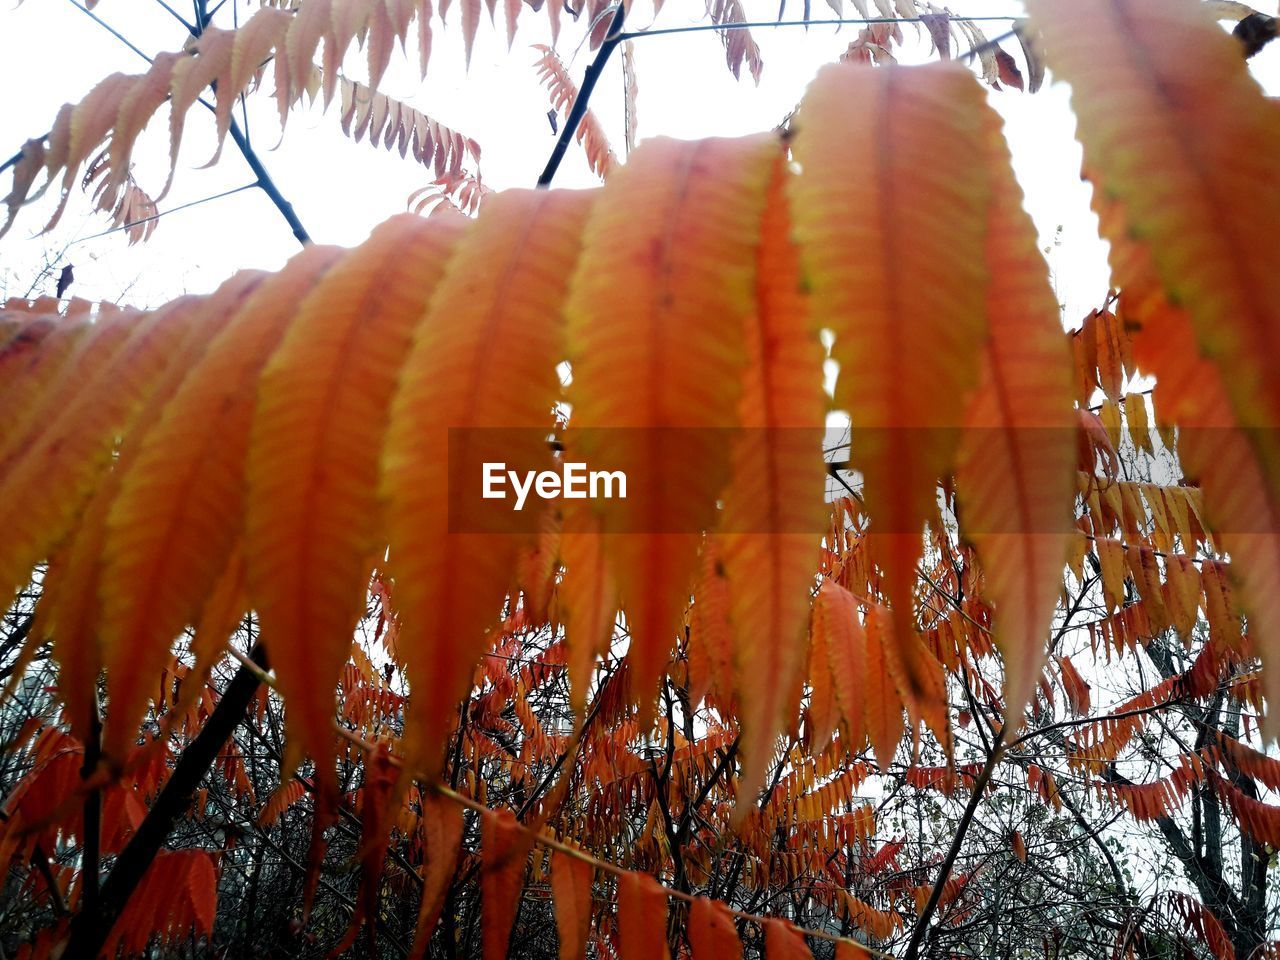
(50, 53)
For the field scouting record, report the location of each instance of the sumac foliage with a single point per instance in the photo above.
(898, 698)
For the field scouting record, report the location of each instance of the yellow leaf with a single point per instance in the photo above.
(1135, 412)
(1182, 593)
(1111, 560)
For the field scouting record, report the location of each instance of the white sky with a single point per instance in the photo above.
(51, 53)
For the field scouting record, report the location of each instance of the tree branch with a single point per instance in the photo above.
(91, 926)
(579, 108)
(268, 185)
(962, 828)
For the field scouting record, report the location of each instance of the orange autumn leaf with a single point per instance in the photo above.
(848, 950)
(1019, 846)
(896, 169)
(782, 941)
(312, 460)
(1190, 227)
(662, 290)
(504, 852)
(773, 504)
(179, 513)
(839, 631)
(642, 918)
(451, 577)
(177, 898)
(712, 933)
(883, 699)
(571, 887)
(442, 827)
(1016, 471)
(588, 597)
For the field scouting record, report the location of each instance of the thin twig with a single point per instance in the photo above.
(537, 835)
(766, 24)
(107, 27)
(41, 861)
(990, 44)
(612, 868)
(268, 185)
(18, 156)
(177, 16)
(165, 213)
(1086, 721)
(91, 858)
(237, 135)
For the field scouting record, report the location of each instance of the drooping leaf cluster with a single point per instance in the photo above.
(264, 448)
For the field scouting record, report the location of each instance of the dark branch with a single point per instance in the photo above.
(268, 185)
(579, 108)
(90, 927)
(962, 828)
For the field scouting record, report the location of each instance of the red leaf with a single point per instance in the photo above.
(1019, 846)
(1010, 75)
